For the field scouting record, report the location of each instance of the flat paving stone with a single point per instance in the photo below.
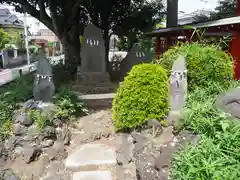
(92, 175)
(97, 96)
(91, 154)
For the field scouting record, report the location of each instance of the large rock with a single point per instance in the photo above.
(19, 129)
(7, 174)
(64, 135)
(12, 142)
(125, 149)
(24, 119)
(30, 153)
(47, 143)
(57, 151)
(30, 104)
(3, 155)
(229, 102)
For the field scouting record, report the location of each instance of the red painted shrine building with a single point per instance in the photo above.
(228, 27)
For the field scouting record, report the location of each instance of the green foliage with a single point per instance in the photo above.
(4, 39)
(11, 94)
(6, 129)
(217, 155)
(40, 119)
(123, 44)
(204, 63)
(142, 96)
(69, 105)
(207, 160)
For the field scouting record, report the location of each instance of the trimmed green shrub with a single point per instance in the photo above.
(142, 96)
(204, 63)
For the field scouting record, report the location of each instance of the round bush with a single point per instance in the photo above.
(204, 63)
(142, 96)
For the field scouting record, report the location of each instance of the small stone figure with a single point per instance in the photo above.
(43, 85)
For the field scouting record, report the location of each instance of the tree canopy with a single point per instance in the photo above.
(67, 19)
(4, 39)
(225, 9)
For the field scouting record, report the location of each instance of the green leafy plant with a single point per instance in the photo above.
(11, 95)
(4, 39)
(6, 128)
(207, 160)
(217, 155)
(204, 63)
(69, 104)
(142, 96)
(40, 119)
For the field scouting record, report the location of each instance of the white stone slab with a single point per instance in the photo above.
(91, 154)
(98, 96)
(92, 175)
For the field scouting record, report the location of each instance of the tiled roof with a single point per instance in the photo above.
(6, 18)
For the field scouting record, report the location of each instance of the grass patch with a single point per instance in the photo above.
(217, 155)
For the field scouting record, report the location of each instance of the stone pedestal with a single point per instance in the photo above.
(94, 83)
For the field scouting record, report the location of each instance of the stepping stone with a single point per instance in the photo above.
(91, 154)
(92, 175)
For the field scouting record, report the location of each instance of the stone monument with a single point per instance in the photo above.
(93, 50)
(177, 98)
(92, 75)
(135, 56)
(178, 90)
(44, 88)
(178, 84)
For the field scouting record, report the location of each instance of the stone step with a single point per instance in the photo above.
(93, 76)
(96, 84)
(91, 155)
(94, 90)
(92, 175)
(98, 101)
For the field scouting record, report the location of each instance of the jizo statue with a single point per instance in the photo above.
(43, 84)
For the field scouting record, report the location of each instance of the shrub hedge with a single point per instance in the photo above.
(204, 63)
(142, 96)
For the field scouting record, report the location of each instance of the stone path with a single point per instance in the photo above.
(93, 153)
(92, 162)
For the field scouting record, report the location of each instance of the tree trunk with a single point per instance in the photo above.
(106, 41)
(72, 54)
(172, 13)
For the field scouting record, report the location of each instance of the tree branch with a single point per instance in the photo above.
(75, 9)
(44, 18)
(55, 21)
(42, 8)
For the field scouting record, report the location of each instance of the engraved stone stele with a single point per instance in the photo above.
(178, 89)
(135, 56)
(93, 50)
(44, 88)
